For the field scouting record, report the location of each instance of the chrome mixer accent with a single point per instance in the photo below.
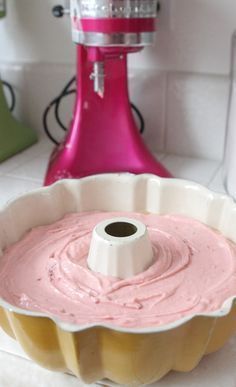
(98, 76)
(117, 8)
(118, 39)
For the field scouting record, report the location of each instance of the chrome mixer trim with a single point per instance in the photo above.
(115, 8)
(98, 76)
(114, 40)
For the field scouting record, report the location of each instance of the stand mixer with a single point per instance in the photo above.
(103, 136)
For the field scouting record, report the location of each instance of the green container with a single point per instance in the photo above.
(3, 8)
(14, 135)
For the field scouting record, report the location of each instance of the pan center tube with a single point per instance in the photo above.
(120, 247)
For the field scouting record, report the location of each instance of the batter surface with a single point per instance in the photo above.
(193, 270)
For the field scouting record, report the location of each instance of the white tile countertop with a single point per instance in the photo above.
(25, 172)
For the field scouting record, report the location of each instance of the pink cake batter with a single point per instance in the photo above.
(194, 270)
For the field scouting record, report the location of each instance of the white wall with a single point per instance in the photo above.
(194, 35)
(31, 34)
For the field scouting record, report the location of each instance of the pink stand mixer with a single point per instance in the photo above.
(103, 136)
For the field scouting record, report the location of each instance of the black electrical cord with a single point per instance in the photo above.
(63, 94)
(45, 121)
(12, 95)
(56, 104)
(140, 117)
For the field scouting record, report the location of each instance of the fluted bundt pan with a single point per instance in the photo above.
(96, 352)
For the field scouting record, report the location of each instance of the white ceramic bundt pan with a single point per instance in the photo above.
(94, 352)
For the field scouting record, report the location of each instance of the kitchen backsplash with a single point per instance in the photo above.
(181, 85)
(185, 113)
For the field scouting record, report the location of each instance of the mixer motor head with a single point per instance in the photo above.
(103, 23)
(112, 27)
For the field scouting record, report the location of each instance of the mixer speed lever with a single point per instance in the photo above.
(60, 11)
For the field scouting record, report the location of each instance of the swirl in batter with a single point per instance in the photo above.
(193, 271)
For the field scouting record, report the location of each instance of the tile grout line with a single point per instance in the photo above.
(15, 355)
(190, 157)
(215, 173)
(20, 164)
(25, 179)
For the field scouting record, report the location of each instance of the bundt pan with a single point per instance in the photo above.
(96, 352)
